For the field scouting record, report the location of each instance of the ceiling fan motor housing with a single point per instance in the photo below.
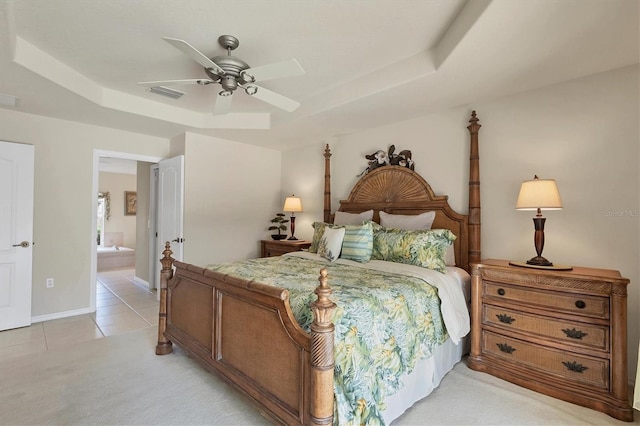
(232, 67)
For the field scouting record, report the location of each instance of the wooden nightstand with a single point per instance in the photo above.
(561, 333)
(272, 248)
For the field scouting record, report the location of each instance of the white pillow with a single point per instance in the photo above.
(450, 256)
(414, 222)
(344, 218)
(331, 243)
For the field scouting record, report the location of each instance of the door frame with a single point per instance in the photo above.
(97, 153)
(157, 200)
(154, 271)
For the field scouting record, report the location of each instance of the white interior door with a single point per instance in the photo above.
(170, 206)
(154, 264)
(16, 234)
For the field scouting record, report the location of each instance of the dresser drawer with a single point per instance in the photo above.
(593, 372)
(574, 333)
(593, 306)
(273, 248)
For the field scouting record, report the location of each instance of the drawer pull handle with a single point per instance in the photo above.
(506, 348)
(501, 291)
(505, 318)
(580, 304)
(574, 366)
(573, 333)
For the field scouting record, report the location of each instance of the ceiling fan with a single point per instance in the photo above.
(232, 72)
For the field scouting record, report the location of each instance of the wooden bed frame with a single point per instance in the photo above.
(245, 331)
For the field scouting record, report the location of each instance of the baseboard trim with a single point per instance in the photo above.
(59, 315)
(140, 281)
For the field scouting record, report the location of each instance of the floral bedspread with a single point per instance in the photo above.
(385, 322)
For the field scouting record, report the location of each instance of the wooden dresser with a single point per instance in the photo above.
(270, 248)
(561, 333)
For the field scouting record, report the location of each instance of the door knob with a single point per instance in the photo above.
(23, 244)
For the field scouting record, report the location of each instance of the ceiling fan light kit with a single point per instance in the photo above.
(231, 72)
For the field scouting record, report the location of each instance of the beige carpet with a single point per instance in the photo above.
(117, 381)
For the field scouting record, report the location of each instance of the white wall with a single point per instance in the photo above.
(64, 199)
(116, 184)
(232, 190)
(583, 133)
(143, 185)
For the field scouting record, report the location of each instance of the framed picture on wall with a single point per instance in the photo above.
(130, 203)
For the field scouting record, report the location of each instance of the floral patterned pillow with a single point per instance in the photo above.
(420, 248)
(318, 230)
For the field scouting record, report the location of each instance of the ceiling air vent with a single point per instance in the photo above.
(165, 91)
(9, 100)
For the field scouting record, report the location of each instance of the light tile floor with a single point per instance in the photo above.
(121, 306)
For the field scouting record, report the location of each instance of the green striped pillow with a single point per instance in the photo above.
(357, 243)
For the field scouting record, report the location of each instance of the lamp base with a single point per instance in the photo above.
(293, 228)
(539, 261)
(555, 267)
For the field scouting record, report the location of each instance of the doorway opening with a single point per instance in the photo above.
(121, 212)
(116, 220)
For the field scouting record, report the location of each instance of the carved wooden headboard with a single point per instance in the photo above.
(399, 190)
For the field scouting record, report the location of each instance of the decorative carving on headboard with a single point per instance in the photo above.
(381, 158)
(396, 185)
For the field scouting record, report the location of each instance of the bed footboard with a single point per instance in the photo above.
(246, 333)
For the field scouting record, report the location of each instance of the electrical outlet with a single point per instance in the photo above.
(49, 282)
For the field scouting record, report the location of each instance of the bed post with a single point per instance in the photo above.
(164, 345)
(327, 184)
(474, 191)
(322, 356)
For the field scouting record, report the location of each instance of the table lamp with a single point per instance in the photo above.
(539, 194)
(292, 204)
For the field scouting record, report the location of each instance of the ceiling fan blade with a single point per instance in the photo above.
(223, 104)
(194, 54)
(288, 68)
(201, 81)
(270, 97)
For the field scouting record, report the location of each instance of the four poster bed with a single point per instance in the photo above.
(289, 351)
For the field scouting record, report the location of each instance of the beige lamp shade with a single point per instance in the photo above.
(540, 194)
(292, 204)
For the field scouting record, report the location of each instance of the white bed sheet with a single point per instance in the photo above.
(450, 285)
(423, 380)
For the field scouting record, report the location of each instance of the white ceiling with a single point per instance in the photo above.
(367, 62)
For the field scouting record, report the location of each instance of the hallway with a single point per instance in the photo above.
(122, 306)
